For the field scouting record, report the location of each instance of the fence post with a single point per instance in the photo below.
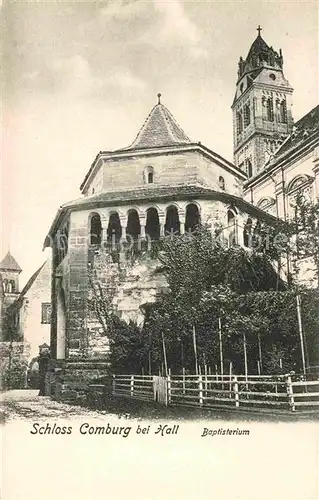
(113, 385)
(290, 392)
(236, 391)
(205, 369)
(200, 387)
(132, 385)
(183, 380)
(169, 388)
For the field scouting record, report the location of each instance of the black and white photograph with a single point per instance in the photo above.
(159, 267)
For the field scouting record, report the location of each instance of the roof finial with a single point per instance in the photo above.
(159, 98)
(259, 29)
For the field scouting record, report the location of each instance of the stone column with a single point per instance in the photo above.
(162, 218)
(123, 221)
(182, 218)
(104, 235)
(142, 224)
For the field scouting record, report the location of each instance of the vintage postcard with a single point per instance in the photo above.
(159, 267)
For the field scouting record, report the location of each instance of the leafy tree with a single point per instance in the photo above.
(304, 229)
(211, 285)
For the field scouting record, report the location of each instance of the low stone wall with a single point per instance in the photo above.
(14, 364)
(69, 380)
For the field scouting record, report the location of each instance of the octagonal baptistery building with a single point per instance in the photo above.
(160, 185)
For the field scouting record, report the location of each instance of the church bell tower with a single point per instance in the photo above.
(262, 107)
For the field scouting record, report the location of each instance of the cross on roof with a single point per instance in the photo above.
(259, 30)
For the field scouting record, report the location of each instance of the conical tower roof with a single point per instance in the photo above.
(259, 48)
(9, 263)
(259, 55)
(160, 129)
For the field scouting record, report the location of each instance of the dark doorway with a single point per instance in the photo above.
(172, 225)
(152, 224)
(192, 217)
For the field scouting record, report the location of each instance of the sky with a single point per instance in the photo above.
(81, 77)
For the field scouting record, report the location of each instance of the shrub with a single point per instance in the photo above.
(13, 374)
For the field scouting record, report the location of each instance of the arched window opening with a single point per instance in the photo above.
(9, 286)
(249, 168)
(133, 224)
(114, 229)
(270, 110)
(264, 107)
(239, 120)
(152, 227)
(172, 225)
(95, 230)
(221, 182)
(300, 184)
(247, 115)
(267, 204)
(13, 286)
(299, 190)
(149, 175)
(231, 224)
(247, 232)
(283, 112)
(5, 285)
(192, 220)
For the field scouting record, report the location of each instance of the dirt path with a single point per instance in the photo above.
(26, 404)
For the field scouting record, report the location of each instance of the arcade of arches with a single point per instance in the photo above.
(151, 223)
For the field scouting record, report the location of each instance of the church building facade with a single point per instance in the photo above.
(164, 184)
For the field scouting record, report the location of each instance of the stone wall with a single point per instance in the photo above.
(127, 286)
(70, 380)
(170, 169)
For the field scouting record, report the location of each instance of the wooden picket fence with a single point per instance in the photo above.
(282, 392)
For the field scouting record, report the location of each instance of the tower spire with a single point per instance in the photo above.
(262, 105)
(159, 95)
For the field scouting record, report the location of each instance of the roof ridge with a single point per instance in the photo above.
(163, 110)
(142, 127)
(30, 282)
(175, 121)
